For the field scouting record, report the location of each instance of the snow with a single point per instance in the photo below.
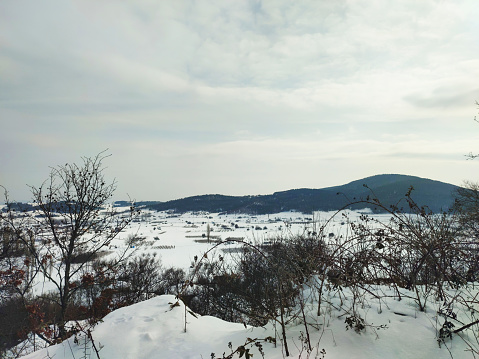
(176, 238)
(152, 329)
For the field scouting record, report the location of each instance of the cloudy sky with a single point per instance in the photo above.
(238, 97)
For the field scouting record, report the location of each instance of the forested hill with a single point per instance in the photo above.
(388, 188)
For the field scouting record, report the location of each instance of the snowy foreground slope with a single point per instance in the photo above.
(152, 329)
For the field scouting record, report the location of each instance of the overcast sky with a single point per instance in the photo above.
(238, 97)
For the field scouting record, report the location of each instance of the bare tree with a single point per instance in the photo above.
(72, 218)
(467, 204)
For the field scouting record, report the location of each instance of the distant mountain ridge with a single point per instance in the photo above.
(388, 188)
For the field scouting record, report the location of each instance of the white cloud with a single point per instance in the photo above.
(251, 81)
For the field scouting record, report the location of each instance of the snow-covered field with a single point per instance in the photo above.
(153, 329)
(177, 239)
